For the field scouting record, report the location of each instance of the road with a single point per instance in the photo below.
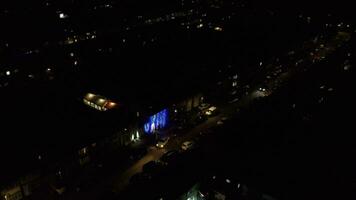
(154, 153)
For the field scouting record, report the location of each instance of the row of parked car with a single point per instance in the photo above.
(152, 168)
(162, 142)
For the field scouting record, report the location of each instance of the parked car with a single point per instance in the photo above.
(168, 156)
(152, 167)
(212, 111)
(187, 145)
(162, 142)
(204, 106)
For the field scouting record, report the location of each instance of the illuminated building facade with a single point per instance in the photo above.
(156, 122)
(98, 102)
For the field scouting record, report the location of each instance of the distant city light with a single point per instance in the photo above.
(62, 16)
(347, 67)
(71, 54)
(217, 28)
(200, 25)
(8, 73)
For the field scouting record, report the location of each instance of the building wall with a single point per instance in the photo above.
(191, 102)
(13, 193)
(23, 187)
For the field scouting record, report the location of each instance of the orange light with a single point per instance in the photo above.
(112, 104)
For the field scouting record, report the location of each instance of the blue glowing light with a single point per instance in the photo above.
(156, 122)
